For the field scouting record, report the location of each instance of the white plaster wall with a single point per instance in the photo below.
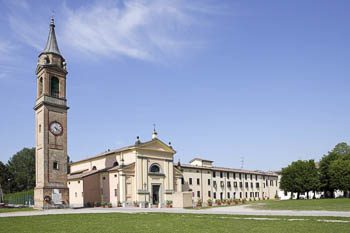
(76, 198)
(113, 184)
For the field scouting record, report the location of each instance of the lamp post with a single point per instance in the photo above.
(144, 187)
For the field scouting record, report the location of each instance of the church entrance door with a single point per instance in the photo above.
(155, 193)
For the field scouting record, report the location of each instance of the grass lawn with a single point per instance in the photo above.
(6, 210)
(341, 204)
(164, 222)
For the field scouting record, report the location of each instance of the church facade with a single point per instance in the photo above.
(145, 172)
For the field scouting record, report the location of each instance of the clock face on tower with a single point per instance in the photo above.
(56, 128)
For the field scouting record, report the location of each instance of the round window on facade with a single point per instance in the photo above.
(155, 168)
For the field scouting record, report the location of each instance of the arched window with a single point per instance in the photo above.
(55, 87)
(155, 168)
(40, 86)
(115, 164)
(94, 168)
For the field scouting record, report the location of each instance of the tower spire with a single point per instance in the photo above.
(51, 44)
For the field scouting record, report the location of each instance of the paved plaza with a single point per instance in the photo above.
(234, 210)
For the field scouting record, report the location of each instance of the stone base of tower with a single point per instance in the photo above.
(49, 198)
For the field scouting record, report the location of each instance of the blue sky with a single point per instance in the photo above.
(264, 80)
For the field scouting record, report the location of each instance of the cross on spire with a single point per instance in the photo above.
(52, 13)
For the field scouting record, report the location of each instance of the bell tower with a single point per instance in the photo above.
(51, 127)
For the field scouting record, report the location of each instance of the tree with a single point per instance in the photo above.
(339, 171)
(341, 150)
(290, 180)
(4, 176)
(68, 164)
(21, 167)
(312, 181)
(300, 176)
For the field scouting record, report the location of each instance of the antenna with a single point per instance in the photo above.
(242, 162)
(154, 127)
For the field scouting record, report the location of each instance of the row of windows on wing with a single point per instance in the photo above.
(54, 87)
(234, 195)
(235, 184)
(154, 168)
(240, 175)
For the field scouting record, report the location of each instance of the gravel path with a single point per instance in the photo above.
(235, 210)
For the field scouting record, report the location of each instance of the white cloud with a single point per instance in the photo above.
(5, 48)
(146, 30)
(28, 32)
(152, 30)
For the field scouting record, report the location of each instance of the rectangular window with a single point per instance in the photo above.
(234, 175)
(198, 182)
(240, 184)
(228, 175)
(222, 184)
(214, 183)
(234, 195)
(221, 196)
(214, 174)
(198, 193)
(246, 195)
(267, 183)
(55, 165)
(228, 195)
(208, 181)
(240, 176)
(235, 184)
(208, 193)
(256, 177)
(257, 185)
(115, 192)
(228, 184)
(221, 174)
(182, 181)
(240, 194)
(246, 176)
(246, 185)
(251, 185)
(190, 181)
(214, 195)
(251, 176)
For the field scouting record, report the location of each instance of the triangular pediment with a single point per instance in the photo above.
(156, 145)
